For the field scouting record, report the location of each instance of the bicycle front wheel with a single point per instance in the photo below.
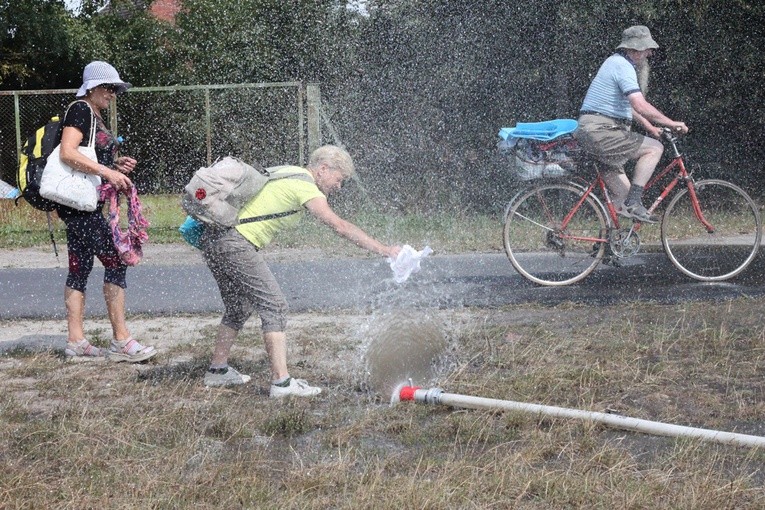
(719, 252)
(541, 248)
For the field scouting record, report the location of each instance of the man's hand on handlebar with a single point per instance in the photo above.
(671, 132)
(653, 131)
(678, 128)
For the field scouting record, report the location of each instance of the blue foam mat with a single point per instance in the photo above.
(545, 130)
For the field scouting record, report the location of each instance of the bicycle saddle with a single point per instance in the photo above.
(545, 130)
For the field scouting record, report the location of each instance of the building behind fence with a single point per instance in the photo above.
(172, 131)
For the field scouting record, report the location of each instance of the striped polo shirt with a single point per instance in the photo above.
(616, 79)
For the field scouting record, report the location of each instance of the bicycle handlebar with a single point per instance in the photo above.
(670, 135)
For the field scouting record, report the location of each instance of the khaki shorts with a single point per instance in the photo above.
(607, 140)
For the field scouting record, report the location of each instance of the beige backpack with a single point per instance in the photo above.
(216, 193)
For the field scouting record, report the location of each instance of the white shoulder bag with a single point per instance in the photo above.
(67, 186)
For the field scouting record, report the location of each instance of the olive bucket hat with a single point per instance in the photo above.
(637, 37)
(101, 73)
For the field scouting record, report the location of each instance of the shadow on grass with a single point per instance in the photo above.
(194, 370)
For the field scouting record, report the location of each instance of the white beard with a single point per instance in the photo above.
(643, 73)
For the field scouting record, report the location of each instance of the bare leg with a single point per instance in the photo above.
(220, 374)
(223, 343)
(75, 314)
(124, 347)
(648, 157)
(276, 347)
(115, 306)
(618, 186)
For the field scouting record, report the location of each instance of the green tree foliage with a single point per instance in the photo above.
(129, 38)
(225, 42)
(442, 76)
(418, 89)
(236, 41)
(438, 79)
(46, 46)
(712, 75)
(36, 44)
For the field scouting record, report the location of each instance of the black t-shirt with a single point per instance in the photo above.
(79, 117)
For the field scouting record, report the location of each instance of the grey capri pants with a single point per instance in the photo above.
(245, 282)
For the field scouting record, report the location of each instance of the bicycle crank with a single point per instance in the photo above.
(624, 243)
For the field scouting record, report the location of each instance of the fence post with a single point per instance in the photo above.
(313, 114)
(17, 115)
(300, 129)
(208, 126)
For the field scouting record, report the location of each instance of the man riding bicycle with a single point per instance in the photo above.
(614, 98)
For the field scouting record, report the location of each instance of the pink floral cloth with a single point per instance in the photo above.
(128, 244)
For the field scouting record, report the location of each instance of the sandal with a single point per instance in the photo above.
(130, 351)
(640, 213)
(83, 350)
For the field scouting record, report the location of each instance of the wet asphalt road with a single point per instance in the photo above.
(471, 280)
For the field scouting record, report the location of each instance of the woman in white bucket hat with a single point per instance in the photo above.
(88, 233)
(101, 73)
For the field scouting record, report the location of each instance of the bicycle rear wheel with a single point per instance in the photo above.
(717, 255)
(537, 245)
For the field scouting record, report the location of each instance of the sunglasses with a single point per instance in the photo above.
(110, 88)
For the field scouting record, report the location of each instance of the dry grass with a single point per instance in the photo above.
(81, 436)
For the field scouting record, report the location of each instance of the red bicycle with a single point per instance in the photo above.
(556, 232)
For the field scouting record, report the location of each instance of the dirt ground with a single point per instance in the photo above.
(153, 254)
(180, 338)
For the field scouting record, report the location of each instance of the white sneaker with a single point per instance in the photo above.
(297, 387)
(230, 377)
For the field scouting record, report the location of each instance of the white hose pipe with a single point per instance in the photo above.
(437, 396)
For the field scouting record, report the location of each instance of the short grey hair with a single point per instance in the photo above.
(335, 158)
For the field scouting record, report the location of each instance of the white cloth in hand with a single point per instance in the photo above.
(407, 262)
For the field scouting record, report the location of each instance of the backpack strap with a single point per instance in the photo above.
(302, 176)
(269, 216)
(92, 134)
(50, 231)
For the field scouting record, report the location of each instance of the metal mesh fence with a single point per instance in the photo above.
(172, 131)
(21, 113)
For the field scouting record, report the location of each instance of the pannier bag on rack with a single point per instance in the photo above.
(540, 149)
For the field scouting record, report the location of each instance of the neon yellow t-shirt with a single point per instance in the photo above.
(280, 195)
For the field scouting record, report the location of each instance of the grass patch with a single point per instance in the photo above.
(23, 227)
(153, 437)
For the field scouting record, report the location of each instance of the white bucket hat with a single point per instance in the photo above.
(101, 73)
